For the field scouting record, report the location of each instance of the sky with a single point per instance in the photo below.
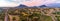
(14, 3)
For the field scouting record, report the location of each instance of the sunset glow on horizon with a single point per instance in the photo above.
(14, 3)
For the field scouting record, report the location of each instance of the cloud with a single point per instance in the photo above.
(33, 3)
(13, 3)
(53, 5)
(38, 2)
(57, 1)
(7, 4)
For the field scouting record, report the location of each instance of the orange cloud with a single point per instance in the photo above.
(33, 3)
(25, 2)
(37, 2)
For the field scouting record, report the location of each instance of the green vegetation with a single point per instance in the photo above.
(57, 13)
(58, 18)
(2, 15)
(29, 15)
(45, 18)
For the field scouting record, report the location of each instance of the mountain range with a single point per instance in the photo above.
(22, 6)
(48, 5)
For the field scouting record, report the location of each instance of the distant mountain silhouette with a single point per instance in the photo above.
(21, 6)
(54, 5)
(42, 6)
(24, 6)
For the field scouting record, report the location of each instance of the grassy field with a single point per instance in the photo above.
(58, 18)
